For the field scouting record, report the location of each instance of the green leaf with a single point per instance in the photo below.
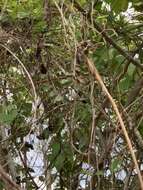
(99, 173)
(8, 114)
(65, 81)
(140, 128)
(58, 98)
(45, 133)
(40, 26)
(125, 83)
(68, 152)
(22, 15)
(131, 69)
(83, 113)
(1, 185)
(56, 148)
(81, 2)
(59, 162)
(115, 164)
(119, 5)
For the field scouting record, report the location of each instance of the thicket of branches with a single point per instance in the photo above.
(71, 103)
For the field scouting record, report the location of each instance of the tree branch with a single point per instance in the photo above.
(106, 37)
(97, 76)
(8, 182)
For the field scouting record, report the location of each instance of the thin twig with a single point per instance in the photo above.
(8, 182)
(28, 75)
(24, 68)
(26, 169)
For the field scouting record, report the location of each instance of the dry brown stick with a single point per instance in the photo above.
(97, 76)
(8, 182)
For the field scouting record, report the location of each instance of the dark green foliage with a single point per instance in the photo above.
(68, 133)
